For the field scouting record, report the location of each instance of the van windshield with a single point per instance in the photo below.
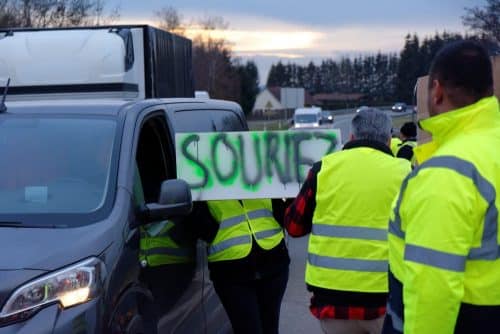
(306, 118)
(54, 165)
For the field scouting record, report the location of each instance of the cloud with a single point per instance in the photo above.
(270, 54)
(268, 40)
(262, 41)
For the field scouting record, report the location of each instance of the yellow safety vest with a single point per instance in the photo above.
(348, 242)
(413, 145)
(444, 235)
(239, 223)
(395, 142)
(156, 247)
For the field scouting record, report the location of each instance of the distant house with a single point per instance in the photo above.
(267, 101)
(331, 101)
(278, 100)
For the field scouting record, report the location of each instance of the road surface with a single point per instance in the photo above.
(343, 122)
(295, 315)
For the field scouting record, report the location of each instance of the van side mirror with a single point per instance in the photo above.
(174, 201)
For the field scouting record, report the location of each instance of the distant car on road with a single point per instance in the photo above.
(326, 117)
(307, 118)
(399, 107)
(362, 108)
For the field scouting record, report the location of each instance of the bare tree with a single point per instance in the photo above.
(169, 19)
(209, 22)
(484, 21)
(7, 15)
(213, 61)
(213, 66)
(55, 13)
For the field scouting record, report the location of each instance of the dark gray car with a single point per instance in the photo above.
(70, 213)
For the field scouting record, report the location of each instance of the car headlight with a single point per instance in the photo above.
(70, 286)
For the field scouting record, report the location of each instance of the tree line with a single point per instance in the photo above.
(372, 75)
(387, 77)
(381, 78)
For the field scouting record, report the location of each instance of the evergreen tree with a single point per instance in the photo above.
(410, 68)
(277, 75)
(249, 85)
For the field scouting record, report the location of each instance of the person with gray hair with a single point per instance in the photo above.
(372, 124)
(344, 204)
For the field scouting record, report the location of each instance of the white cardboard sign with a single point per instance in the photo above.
(243, 165)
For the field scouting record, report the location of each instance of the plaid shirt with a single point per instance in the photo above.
(298, 222)
(298, 216)
(347, 312)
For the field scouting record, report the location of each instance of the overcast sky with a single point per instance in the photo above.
(304, 30)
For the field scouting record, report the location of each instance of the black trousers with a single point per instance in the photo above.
(254, 306)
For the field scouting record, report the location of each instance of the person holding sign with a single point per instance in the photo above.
(344, 204)
(248, 260)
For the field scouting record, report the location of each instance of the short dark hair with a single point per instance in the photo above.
(409, 129)
(464, 68)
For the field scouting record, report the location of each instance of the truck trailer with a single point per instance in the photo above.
(134, 62)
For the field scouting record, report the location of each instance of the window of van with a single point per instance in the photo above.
(306, 118)
(206, 121)
(54, 165)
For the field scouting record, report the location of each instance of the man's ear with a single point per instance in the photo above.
(437, 93)
(351, 137)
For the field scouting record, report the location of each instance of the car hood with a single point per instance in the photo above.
(48, 248)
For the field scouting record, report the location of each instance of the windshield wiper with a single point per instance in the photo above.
(24, 225)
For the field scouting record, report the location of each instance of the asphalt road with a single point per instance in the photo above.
(343, 122)
(295, 315)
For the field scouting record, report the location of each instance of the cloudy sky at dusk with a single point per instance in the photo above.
(301, 31)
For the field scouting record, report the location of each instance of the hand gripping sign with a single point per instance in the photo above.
(241, 165)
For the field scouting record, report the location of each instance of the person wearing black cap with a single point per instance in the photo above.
(408, 135)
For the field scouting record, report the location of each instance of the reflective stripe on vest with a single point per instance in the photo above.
(355, 232)
(489, 249)
(410, 143)
(168, 251)
(397, 322)
(328, 262)
(261, 213)
(239, 221)
(226, 244)
(268, 233)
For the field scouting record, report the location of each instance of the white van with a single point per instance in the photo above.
(307, 118)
